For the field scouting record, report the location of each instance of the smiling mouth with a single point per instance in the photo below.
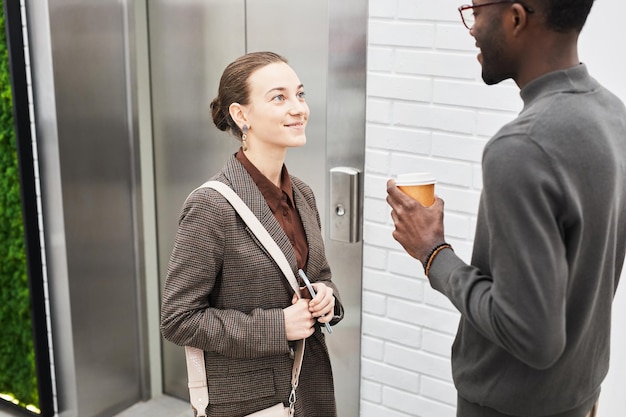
(298, 124)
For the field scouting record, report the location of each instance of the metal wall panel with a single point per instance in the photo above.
(298, 30)
(191, 42)
(345, 142)
(325, 44)
(83, 115)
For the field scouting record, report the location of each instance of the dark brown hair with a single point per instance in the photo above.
(234, 87)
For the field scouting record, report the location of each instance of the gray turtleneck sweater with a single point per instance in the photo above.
(535, 302)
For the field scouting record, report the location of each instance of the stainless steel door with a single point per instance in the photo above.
(86, 150)
(191, 41)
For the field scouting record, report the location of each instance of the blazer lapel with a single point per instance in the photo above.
(307, 215)
(241, 182)
(309, 219)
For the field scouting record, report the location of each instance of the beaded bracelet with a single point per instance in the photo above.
(432, 254)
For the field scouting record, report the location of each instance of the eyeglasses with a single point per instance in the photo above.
(467, 11)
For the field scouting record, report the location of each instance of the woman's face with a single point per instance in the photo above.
(277, 112)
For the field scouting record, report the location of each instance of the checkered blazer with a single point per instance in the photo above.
(224, 294)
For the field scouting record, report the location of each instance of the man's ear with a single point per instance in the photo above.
(519, 17)
(238, 113)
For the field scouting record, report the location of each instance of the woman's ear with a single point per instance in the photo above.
(238, 114)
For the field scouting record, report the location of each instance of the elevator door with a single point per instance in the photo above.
(191, 42)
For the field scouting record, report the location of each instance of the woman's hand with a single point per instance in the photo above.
(323, 305)
(299, 321)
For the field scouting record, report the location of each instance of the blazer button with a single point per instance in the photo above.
(292, 353)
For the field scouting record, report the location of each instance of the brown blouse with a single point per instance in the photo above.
(280, 201)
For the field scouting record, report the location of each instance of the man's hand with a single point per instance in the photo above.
(418, 229)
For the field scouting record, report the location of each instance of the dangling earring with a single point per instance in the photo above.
(244, 136)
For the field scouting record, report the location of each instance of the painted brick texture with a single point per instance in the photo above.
(427, 110)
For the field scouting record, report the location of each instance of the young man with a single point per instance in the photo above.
(535, 302)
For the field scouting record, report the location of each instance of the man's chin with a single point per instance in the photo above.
(492, 79)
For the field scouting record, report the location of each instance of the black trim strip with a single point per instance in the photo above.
(21, 113)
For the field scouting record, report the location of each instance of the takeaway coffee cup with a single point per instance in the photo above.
(419, 185)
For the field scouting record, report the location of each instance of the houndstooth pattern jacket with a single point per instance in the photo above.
(224, 294)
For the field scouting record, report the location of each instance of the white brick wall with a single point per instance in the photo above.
(427, 109)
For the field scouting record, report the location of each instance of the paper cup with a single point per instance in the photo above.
(419, 185)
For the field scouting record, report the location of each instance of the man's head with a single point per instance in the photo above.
(524, 39)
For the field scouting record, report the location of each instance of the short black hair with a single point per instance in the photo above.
(566, 15)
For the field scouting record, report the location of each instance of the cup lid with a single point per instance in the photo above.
(416, 178)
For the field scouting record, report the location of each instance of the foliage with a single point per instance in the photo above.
(17, 358)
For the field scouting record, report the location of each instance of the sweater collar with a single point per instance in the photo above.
(572, 80)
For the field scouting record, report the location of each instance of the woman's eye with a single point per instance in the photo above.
(279, 97)
(301, 94)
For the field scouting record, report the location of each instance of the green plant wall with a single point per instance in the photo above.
(17, 356)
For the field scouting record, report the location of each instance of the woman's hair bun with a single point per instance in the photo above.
(220, 118)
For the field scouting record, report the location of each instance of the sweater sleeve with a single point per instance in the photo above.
(514, 292)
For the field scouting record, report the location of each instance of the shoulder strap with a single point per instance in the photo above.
(197, 382)
(196, 371)
(257, 228)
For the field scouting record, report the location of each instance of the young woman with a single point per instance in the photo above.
(224, 294)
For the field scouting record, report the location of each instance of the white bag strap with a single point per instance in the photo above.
(257, 228)
(196, 375)
(196, 371)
